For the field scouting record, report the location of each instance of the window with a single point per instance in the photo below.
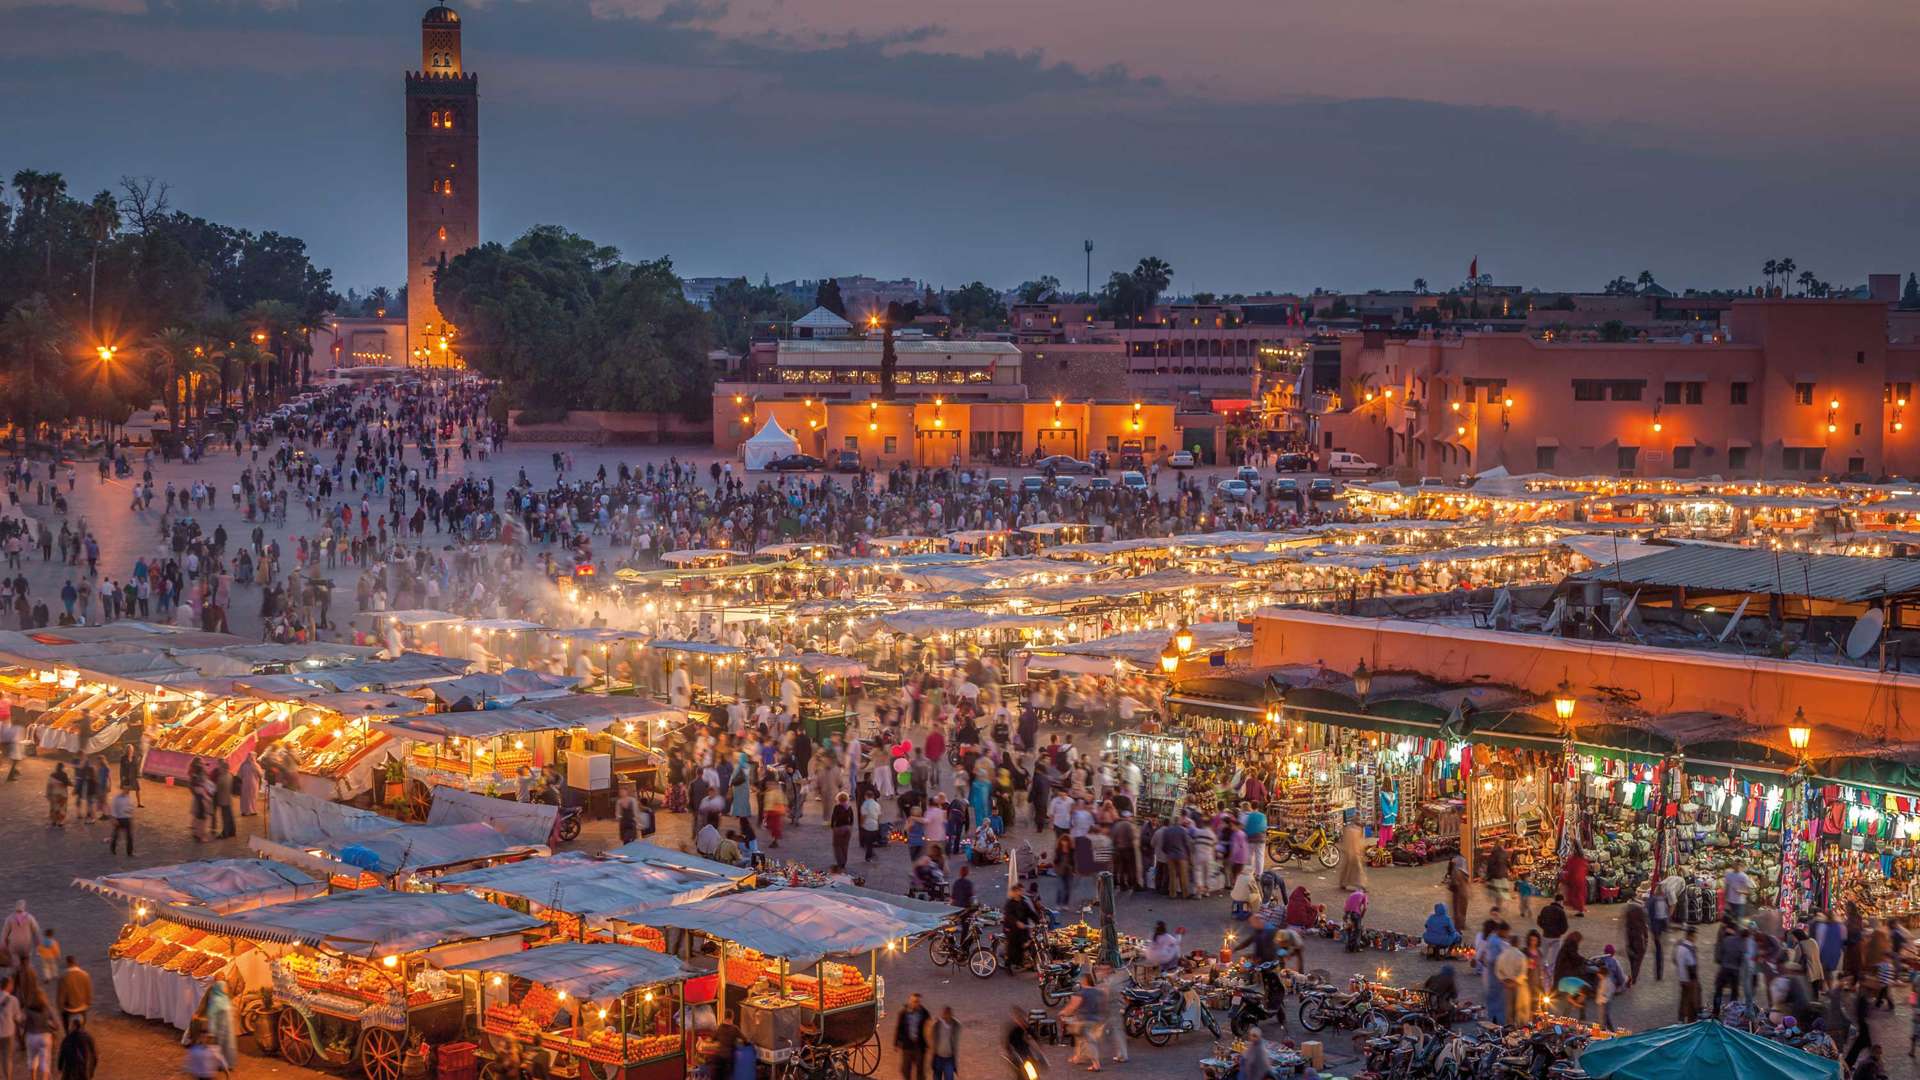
(1903, 393)
(1683, 393)
(1856, 431)
(1856, 464)
(1803, 393)
(1149, 446)
(1629, 458)
(1589, 390)
(1802, 458)
(1737, 393)
(852, 443)
(1543, 457)
(1737, 457)
(1695, 393)
(1860, 357)
(1683, 457)
(892, 444)
(1113, 444)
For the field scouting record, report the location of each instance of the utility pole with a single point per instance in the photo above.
(1088, 244)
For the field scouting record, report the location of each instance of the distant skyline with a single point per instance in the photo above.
(1255, 146)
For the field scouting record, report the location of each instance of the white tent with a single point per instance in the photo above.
(771, 441)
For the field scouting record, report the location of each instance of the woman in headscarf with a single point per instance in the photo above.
(1441, 933)
(1300, 909)
(1572, 978)
(248, 776)
(1353, 857)
(218, 1015)
(1574, 877)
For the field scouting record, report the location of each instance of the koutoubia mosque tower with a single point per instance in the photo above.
(443, 178)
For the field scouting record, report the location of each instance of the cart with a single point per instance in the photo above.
(611, 1011)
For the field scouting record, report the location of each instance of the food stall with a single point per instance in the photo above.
(162, 968)
(359, 977)
(820, 684)
(757, 942)
(482, 750)
(589, 897)
(106, 711)
(214, 729)
(612, 1009)
(358, 848)
(336, 744)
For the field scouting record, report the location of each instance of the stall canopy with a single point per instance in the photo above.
(593, 886)
(222, 885)
(770, 442)
(597, 712)
(1704, 1048)
(588, 972)
(359, 703)
(409, 669)
(377, 922)
(476, 724)
(800, 926)
(458, 830)
(514, 683)
(654, 854)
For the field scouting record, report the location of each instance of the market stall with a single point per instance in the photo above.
(360, 978)
(596, 897)
(336, 746)
(216, 729)
(764, 943)
(358, 848)
(162, 968)
(612, 1011)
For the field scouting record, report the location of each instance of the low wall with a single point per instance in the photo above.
(600, 428)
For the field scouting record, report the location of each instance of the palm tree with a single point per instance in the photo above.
(38, 193)
(35, 341)
(1786, 267)
(102, 216)
(171, 350)
(378, 300)
(269, 323)
(1806, 280)
(199, 370)
(1153, 275)
(1420, 285)
(1770, 268)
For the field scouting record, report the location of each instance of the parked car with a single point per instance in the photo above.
(1293, 463)
(1064, 463)
(1340, 461)
(1181, 459)
(1321, 488)
(846, 461)
(1237, 490)
(999, 485)
(1248, 473)
(1130, 458)
(1101, 483)
(795, 463)
(1134, 481)
(1063, 484)
(1285, 488)
(1032, 485)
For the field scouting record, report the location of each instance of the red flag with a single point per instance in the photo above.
(1473, 269)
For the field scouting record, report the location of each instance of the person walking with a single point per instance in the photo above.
(130, 772)
(79, 1056)
(217, 1015)
(59, 786)
(9, 1026)
(37, 1025)
(21, 937)
(944, 1040)
(910, 1036)
(626, 812)
(222, 781)
(248, 780)
(840, 820)
(121, 810)
(1686, 969)
(1635, 924)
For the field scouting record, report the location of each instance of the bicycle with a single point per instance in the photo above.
(816, 1061)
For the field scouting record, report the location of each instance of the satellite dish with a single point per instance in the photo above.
(1865, 633)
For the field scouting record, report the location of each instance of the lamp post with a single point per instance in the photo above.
(1170, 658)
(1362, 683)
(1183, 639)
(1793, 818)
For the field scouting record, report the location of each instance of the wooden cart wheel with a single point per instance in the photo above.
(598, 1071)
(380, 1054)
(863, 1057)
(296, 1041)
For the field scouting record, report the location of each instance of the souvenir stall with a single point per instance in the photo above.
(359, 979)
(161, 968)
(221, 728)
(771, 950)
(1514, 794)
(1164, 768)
(611, 1011)
(1865, 849)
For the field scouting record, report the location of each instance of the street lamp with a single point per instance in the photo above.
(1362, 681)
(1799, 733)
(106, 353)
(1183, 638)
(1563, 702)
(1169, 658)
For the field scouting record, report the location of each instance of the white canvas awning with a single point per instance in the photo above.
(770, 442)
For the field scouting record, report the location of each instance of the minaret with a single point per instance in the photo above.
(443, 178)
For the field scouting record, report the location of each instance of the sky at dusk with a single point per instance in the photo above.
(1254, 144)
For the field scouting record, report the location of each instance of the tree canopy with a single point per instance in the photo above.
(565, 323)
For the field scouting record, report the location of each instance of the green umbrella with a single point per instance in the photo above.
(1706, 1048)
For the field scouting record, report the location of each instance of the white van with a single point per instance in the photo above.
(1340, 461)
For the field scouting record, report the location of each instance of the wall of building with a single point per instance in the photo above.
(1814, 374)
(923, 431)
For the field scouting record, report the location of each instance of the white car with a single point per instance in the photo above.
(1340, 461)
(1180, 459)
(1237, 490)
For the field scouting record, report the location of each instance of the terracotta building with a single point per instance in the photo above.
(443, 177)
(1789, 388)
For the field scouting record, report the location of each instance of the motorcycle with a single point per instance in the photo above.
(1314, 843)
(1058, 978)
(1249, 1008)
(966, 945)
(566, 827)
(1169, 1015)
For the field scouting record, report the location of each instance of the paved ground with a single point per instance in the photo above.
(43, 862)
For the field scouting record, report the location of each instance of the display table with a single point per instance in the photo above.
(158, 994)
